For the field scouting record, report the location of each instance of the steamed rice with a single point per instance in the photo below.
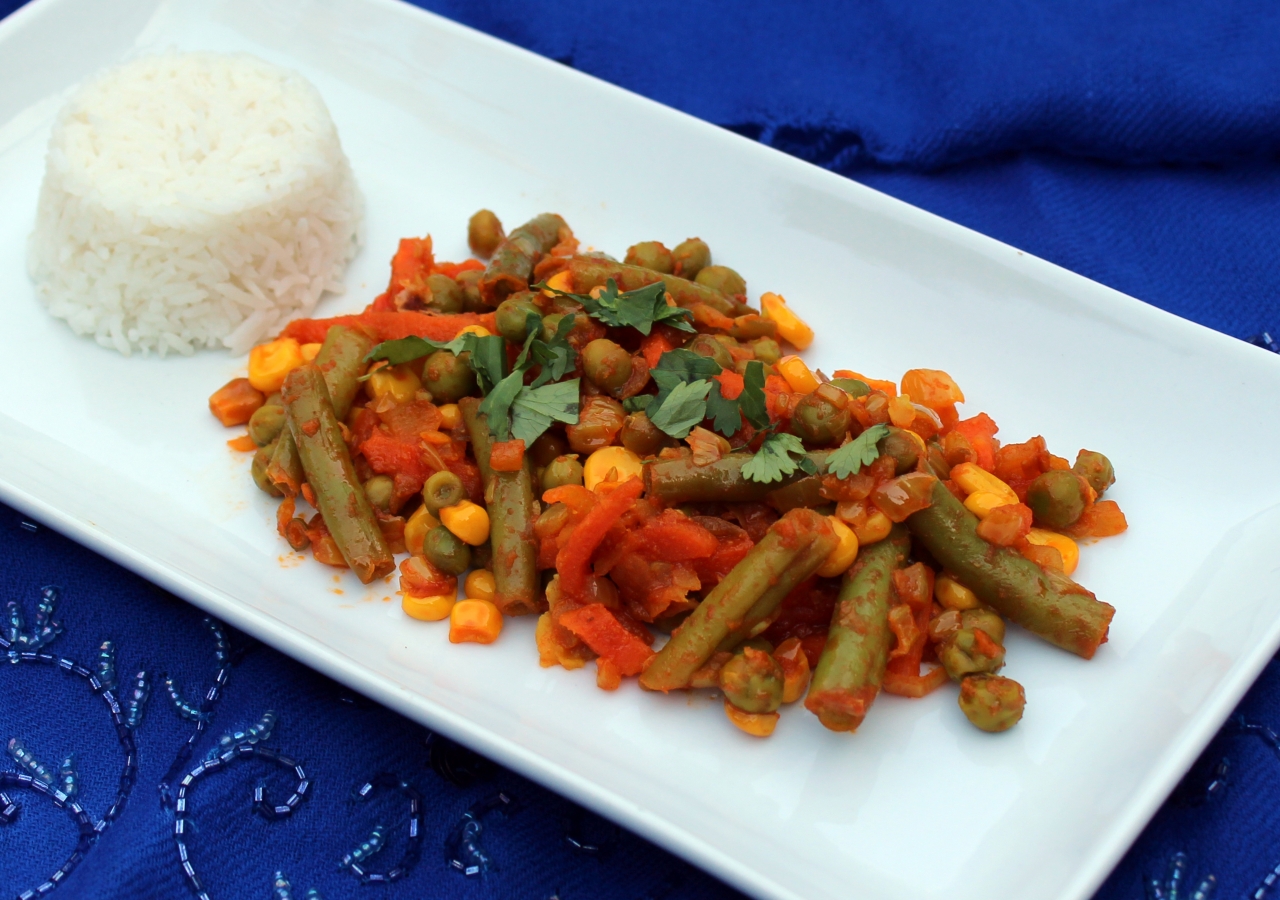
(192, 200)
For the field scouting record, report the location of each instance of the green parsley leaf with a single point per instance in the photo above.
(639, 309)
(859, 452)
(638, 403)
(488, 355)
(725, 414)
(497, 404)
(778, 457)
(752, 400)
(410, 348)
(687, 364)
(534, 409)
(556, 356)
(684, 406)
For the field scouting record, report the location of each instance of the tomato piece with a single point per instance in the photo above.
(574, 559)
(980, 431)
(601, 630)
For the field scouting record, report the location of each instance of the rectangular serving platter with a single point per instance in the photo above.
(438, 121)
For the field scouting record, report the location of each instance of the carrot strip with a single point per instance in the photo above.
(390, 326)
(600, 630)
(574, 559)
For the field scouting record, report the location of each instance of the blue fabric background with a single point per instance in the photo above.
(1135, 143)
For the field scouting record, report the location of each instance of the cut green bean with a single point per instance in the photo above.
(1046, 604)
(676, 481)
(852, 664)
(339, 494)
(588, 272)
(512, 512)
(513, 261)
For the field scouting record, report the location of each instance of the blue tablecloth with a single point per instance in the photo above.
(1135, 143)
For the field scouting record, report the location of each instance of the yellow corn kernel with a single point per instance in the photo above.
(797, 374)
(951, 594)
(416, 529)
(901, 412)
(480, 585)
(450, 416)
(310, 351)
(399, 383)
(269, 363)
(477, 330)
(551, 652)
(598, 465)
(1069, 549)
(876, 528)
(980, 503)
(844, 554)
(428, 609)
(475, 622)
(468, 522)
(561, 281)
(754, 724)
(791, 328)
(972, 477)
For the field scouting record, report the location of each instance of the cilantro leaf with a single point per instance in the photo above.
(488, 357)
(752, 400)
(859, 452)
(725, 414)
(488, 360)
(496, 405)
(638, 403)
(687, 364)
(638, 309)
(535, 408)
(556, 356)
(410, 348)
(683, 407)
(779, 456)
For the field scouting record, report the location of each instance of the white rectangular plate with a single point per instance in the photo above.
(438, 121)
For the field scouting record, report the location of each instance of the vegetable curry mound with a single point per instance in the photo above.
(627, 450)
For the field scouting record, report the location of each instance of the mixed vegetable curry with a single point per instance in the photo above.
(627, 451)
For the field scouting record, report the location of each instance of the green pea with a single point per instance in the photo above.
(1096, 469)
(752, 681)
(379, 490)
(706, 345)
(902, 448)
(767, 351)
(469, 281)
(447, 296)
(265, 424)
(691, 257)
(513, 316)
(722, 279)
(651, 255)
(992, 702)
(641, 436)
(561, 471)
(986, 619)
(606, 365)
(449, 378)
(822, 416)
(258, 470)
(484, 233)
(445, 551)
(960, 655)
(546, 448)
(852, 386)
(1057, 498)
(482, 556)
(443, 489)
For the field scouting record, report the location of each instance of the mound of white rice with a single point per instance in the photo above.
(191, 200)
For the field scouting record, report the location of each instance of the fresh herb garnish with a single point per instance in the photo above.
(779, 456)
(535, 408)
(526, 411)
(859, 452)
(682, 407)
(727, 415)
(640, 309)
(488, 354)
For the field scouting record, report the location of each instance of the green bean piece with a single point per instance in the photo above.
(698, 637)
(722, 279)
(443, 489)
(641, 436)
(469, 281)
(1047, 604)
(767, 351)
(513, 314)
(691, 256)
(449, 378)
(512, 512)
(445, 551)
(806, 492)
(761, 613)
(651, 255)
(266, 423)
(992, 702)
(561, 471)
(285, 469)
(446, 295)
(515, 257)
(706, 345)
(606, 365)
(677, 481)
(1057, 498)
(822, 416)
(903, 449)
(380, 489)
(851, 668)
(258, 471)
(752, 681)
(1096, 469)
(484, 233)
(588, 272)
(339, 494)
